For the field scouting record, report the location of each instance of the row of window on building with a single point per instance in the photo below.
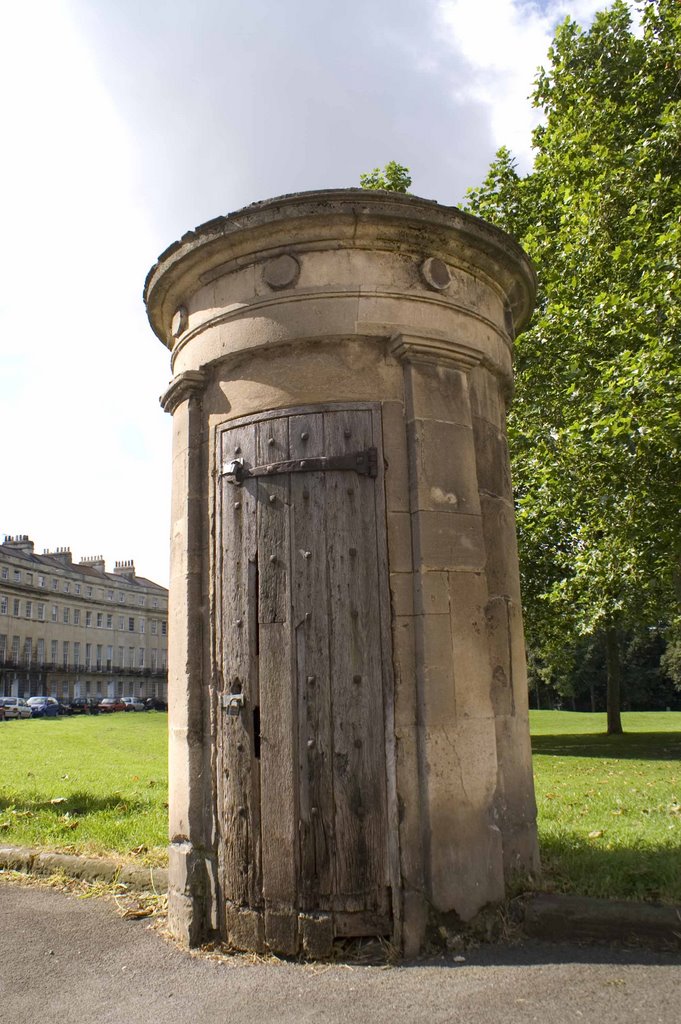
(102, 620)
(98, 656)
(42, 581)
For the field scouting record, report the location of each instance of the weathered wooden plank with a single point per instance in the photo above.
(316, 934)
(392, 808)
(309, 596)
(359, 785)
(245, 928)
(279, 777)
(277, 711)
(281, 931)
(240, 803)
(273, 539)
(362, 922)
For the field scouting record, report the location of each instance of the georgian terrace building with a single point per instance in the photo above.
(74, 630)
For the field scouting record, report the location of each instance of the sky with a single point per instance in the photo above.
(128, 122)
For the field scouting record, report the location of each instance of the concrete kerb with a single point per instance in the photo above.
(88, 869)
(560, 917)
(551, 917)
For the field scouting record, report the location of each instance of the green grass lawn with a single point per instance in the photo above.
(86, 784)
(609, 806)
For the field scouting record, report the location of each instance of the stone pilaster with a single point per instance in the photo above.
(191, 861)
(456, 730)
(515, 803)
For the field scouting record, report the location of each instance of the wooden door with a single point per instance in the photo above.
(305, 678)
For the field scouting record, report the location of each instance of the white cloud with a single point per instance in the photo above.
(127, 123)
(78, 360)
(503, 43)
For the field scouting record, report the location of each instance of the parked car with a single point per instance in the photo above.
(43, 707)
(111, 704)
(155, 704)
(134, 704)
(84, 706)
(15, 707)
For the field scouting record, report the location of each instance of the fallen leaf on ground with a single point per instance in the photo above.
(596, 834)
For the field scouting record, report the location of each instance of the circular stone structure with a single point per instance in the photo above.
(349, 741)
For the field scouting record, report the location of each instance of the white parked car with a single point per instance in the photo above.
(133, 704)
(15, 707)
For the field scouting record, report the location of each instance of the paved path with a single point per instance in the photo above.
(64, 960)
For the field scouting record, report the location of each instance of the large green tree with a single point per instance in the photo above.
(595, 429)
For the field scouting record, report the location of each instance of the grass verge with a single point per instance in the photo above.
(609, 807)
(92, 785)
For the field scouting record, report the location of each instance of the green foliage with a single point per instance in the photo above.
(98, 785)
(670, 662)
(393, 178)
(609, 807)
(578, 681)
(595, 430)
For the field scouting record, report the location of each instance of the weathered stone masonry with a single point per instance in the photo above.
(349, 743)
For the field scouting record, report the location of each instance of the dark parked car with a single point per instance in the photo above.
(155, 704)
(84, 706)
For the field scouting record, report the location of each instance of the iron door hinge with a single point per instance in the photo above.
(364, 463)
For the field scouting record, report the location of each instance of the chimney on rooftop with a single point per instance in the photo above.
(126, 569)
(95, 562)
(20, 542)
(63, 554)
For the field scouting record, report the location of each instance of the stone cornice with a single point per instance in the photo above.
(426, 348)
(348, 218)
(186, 385)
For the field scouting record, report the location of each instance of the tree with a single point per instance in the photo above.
(595, 430)
(393, 178)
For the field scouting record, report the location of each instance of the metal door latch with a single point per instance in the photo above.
(364, 463)
(232, 701)
(233, 471)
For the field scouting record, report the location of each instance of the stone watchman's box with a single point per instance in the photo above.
(349, 744)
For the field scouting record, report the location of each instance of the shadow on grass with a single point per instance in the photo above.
(75, 804)
(625, 873)
(642, 746)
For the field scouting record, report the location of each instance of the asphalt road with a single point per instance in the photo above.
(72, 961)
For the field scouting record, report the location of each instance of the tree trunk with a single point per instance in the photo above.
(612, 654)
(592, 691)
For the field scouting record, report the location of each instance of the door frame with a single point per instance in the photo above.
(385, 627)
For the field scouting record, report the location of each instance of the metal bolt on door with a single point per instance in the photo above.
(304, 675)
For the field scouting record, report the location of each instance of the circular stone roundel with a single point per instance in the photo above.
(435, 273)
(281, 272)
(179, 322)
